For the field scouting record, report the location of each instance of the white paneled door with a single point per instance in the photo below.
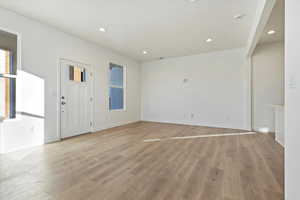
(75, 98)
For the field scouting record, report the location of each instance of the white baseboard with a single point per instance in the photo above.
(51, 140)
(193, 124)
(108, 126)
(279, 142)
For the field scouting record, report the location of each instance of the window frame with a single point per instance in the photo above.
(116, 86)
(10, 77)
(18, 68)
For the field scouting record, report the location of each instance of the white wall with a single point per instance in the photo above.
(214, 95)
(292, 99)
(268, 84)
(1, 137)
(41, 48)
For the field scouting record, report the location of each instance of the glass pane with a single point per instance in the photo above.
(116, 75)
(7, 98)
(6, 62)
(77, 74)
(116, 98)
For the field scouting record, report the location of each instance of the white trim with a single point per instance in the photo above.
(194, 124)
(263, 14)
(251, 96)
(115, 124)
(279, 142)
(8, 76)
(248, 95)
(117, 110)
(51, 140)
(116, 86)
(17, 118)
(19, 53)
(19, 67)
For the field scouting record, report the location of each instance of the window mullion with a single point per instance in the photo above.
(8, 76)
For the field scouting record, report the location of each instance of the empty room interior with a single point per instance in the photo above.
(149, 100)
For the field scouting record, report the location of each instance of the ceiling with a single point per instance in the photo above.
(276, 23)
(164, 28)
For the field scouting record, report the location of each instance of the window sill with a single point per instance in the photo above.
(117, 110)
(10, 120)
(18, 118)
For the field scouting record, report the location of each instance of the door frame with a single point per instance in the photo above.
(60, 60)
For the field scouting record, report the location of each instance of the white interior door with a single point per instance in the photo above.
(75, 101)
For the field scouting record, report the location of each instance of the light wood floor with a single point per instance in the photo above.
(119, 165)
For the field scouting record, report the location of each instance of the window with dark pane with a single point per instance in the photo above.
(77, 74)
(7, 85)
(116, 87)
(8, 72)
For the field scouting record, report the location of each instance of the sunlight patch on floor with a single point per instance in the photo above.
(198, 136)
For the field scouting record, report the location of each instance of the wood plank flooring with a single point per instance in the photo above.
(118, 164)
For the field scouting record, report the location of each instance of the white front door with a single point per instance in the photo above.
(75, 99)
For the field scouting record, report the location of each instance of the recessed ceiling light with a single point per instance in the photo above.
(192, 1)
(101, 29)
(145, 52)
(209, 40)
(271, 32)
(239, 16)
